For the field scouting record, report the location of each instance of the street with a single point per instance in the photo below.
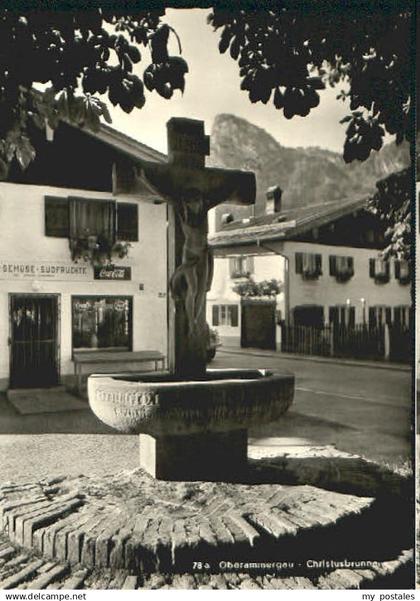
(361, 410)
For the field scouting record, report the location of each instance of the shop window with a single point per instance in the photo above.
(342, 268)
(83, 217)
(101, 322)
(225, 315)
(309, 265)
(241, 267)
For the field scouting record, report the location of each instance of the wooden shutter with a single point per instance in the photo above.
(127, 222)
(397, 268)
(387, 269)
(232, 266)
(234, 315)
(352, 317)
(299, 262)
(318, 264)
(250, 264)
(215, 310)
(56, 216)
(333, 265)
(351, 265)
(388, 315)
(372, 316)
(371, 268)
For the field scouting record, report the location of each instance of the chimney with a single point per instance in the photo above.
(273, 200)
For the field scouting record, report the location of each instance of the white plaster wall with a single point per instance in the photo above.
(266, 267)
(22, 239)
(327, 291)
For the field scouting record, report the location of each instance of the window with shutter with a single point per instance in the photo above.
(379, 269)
(240, 267)
(215, 311)
(56, 217)
(127, 222)
(333, 315)
(309, 265)
(343, 268)
(91, 217)
(402, 271)
(379, 315)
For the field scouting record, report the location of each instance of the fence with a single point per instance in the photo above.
(354, 342)
(359, 342)
(306, 341)
(400, 343)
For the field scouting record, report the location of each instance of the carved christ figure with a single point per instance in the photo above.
(192, 189)
(192, 279)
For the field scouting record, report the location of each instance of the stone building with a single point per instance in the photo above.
(54, 305)
(327, 258)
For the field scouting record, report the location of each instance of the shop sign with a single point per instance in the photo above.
(44, 270)
(112, 272)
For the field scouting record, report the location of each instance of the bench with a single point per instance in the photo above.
(89, 362)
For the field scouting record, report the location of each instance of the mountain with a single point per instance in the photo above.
(306, 175)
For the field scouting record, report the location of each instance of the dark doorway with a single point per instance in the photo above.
(33, 341)
(258, 325)
(308, 315)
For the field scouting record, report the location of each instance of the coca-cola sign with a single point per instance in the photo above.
(112, 272)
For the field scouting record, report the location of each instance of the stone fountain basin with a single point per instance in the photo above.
(160, 405)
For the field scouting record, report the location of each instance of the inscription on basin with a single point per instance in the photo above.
(131, 398)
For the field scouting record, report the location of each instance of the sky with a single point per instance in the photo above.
(213, 87)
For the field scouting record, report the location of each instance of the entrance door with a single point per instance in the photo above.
(258, 325)
(33, 341)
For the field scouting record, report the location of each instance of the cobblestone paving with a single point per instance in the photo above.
(111, 531)
(26, 570)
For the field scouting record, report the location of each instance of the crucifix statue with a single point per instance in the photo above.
(191, 189)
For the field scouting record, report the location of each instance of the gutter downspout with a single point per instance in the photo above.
(286, 277)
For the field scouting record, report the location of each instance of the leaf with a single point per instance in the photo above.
(105, 112)
(25, 153)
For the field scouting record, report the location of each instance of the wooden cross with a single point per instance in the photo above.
(190, 189)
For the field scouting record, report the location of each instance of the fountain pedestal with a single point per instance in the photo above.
(192, 422)
(191, 430)
(211, 456)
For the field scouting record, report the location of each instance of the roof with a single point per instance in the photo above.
(129, 146)
(285, 225)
